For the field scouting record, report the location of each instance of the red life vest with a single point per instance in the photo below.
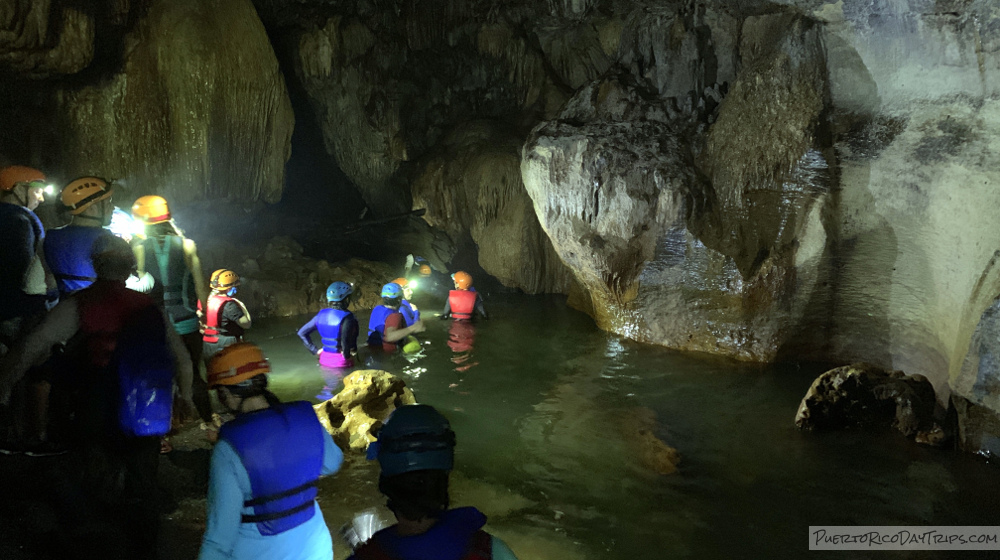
(462, 303)
(104, 307)
(480, 548)
(213, 319)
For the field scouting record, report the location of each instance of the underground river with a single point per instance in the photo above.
(552, 416)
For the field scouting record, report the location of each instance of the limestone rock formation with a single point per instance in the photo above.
(721, 263)
(368, 397)
(195, 107)
(864, 395)
(277, 280)
(473, 187)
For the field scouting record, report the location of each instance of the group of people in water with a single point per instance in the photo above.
(116, 326)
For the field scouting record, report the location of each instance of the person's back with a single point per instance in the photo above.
(20, 234)
(67, 252)
(264, 469)
(415, 449)
(226, 318)
(67, 249)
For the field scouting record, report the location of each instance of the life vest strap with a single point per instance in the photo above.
(264, 517)
(291, 492)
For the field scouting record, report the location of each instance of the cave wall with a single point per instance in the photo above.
(184, 98)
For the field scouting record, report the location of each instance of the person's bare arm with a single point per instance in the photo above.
(194, 265)
(140, 258)
(245, 320)
(58, 327)
(394, 334)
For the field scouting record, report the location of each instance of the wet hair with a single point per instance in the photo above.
(112, 258)
(392, 301)
(416, 495)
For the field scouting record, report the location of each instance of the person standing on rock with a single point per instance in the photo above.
(264, 469)
(170, 271)
(227, 318)
(416, 450)
(338, 329)
(464, 301)
(387, 326)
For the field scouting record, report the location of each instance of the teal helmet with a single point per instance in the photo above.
(415, 437)
(338, 291)
(392, 290)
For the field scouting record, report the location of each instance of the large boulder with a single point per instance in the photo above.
(356, 413)
(862, 395)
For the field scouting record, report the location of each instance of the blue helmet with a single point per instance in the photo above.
(338, 291)
(415, 437)
(392, 290)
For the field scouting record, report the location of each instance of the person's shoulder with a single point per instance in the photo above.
(500, 549)
(189, 244)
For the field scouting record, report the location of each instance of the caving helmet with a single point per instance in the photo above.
(151, 209)
(424, 271)
(14, 175)
(392, 290)
(402, 282)
(236, 365)
(415, 437)
(223, 279)
(463, 281)
(82, 193)
(338, 291)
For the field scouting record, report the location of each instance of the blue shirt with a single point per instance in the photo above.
(227, 538)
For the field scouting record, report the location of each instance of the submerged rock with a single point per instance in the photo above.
(864, 395)
(356, 412)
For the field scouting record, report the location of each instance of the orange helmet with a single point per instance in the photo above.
(236, 363)
(80, 193)
(425, 270)
(401, 281)
(15, 174)
(462, 280)
(223, 279)
(151, 209)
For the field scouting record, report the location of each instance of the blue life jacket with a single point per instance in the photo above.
(282, 450)
(328, 324)
(17, 251)
(410, 315)
(376, 324)
(174, 284)
(145, 367)
(67, 251)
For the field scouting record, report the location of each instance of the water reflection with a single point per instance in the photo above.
(461, 339)
(332, 380)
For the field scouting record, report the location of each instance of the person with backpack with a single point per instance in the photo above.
(126, 359)
(264, 469)
(416, 451)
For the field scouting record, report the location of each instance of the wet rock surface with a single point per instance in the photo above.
(862, 395)
(182, 98)
(368, 398)
(278, 280)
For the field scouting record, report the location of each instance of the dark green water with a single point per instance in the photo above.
(547, 410)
